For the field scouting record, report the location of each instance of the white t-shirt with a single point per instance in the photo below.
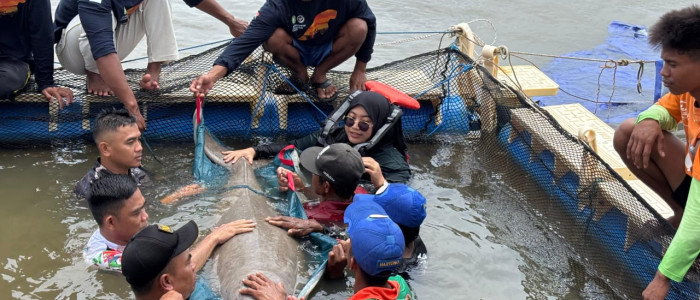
(102, 253)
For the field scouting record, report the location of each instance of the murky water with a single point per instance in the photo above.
(480, 234)
(483, 239)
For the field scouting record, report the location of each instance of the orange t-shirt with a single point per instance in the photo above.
(682, 108)
(378, 293)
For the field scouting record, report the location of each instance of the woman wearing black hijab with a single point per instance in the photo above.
(368, 113)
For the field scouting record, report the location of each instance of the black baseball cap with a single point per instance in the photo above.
(152, 248)
(338, 163)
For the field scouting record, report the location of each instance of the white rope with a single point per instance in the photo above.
(408, 39)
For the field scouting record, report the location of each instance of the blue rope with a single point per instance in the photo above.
(272, 67)
(463, 69)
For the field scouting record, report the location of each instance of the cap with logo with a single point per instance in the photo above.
(152, 248)
(403, 204)
(337, 163)
(377, 242)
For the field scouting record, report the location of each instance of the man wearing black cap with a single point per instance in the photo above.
(336, 172)
(155, 262)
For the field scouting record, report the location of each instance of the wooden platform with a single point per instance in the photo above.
(533, 81)
(575, 117)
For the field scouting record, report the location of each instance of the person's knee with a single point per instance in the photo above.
(277, 41)
(357, 27)
(14, 75)
(355, 31)
(622, 135)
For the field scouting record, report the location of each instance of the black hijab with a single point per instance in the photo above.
(378, 109)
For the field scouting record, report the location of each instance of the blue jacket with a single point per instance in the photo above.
(26, 35)
(311, 23)
(96, 18)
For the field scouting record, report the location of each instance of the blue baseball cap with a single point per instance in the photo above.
(377, 242)
(403, 204)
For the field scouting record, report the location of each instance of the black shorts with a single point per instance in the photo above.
(14, 75)
(680, 195)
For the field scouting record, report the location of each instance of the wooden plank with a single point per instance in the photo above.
(533, 81)
(574, 118)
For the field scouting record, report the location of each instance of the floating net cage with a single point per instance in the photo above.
(618, 237)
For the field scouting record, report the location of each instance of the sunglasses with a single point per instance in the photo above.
(363, 125)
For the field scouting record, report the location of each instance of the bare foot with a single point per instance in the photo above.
(324, 88)
(149, 82)
(96, 85)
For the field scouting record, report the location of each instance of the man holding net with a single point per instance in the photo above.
(301, 34)
(93, 36)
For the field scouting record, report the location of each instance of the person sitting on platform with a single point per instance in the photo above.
(157, 265)
(26, 48)
(94, 36)
(373, 252)
(336, 172)
(301, 34)
(386, 161)
(657, 157)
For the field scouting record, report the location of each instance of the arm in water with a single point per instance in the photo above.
(683, 250)
(185, 191)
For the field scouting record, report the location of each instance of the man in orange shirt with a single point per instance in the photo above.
(660, 159)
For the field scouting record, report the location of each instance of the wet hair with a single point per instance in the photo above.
(109, 120)
(144, 289)
(409, 233)
(678, 29)
(342, 189)
(108, 192)
(140, 290)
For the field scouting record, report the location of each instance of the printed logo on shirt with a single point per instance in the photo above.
(300, 19)
(9, 6)
(165, 228)
(319, 25)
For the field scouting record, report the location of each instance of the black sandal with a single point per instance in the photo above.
(322, 85)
